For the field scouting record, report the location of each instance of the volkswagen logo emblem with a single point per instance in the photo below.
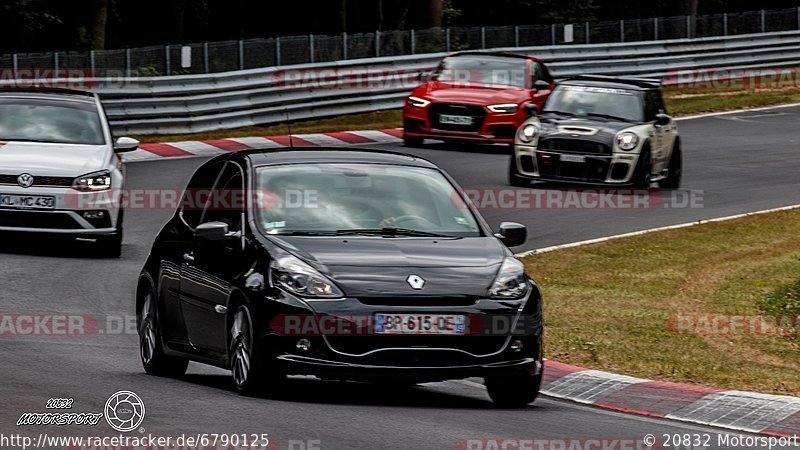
(25, 180)
(124, 411)
(416, 282)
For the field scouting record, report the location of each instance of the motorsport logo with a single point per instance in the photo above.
(124, 412)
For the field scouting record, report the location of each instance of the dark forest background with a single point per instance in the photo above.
(41, 25)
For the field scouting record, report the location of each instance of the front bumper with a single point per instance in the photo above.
(492, 128)
(76, 213)
(616, 169)
(419, 357)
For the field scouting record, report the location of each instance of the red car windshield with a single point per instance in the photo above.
(484, 70)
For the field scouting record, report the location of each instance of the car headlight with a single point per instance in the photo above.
(627, 141)
(418, 102)
(511, 282)
(506, 108)
(297, 277)
(97, 181)
(528, 133)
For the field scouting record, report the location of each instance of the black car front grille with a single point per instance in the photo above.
(418, 301)
(477, 113)
(38, 181)
(378, 346)
(574, 146)
(37, 219)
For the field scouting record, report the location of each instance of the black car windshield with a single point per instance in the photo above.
(483, 70)
(587, 101)
(51, 121)
(360, 198)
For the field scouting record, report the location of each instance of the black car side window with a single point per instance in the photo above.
(197, 191)
(228, 199)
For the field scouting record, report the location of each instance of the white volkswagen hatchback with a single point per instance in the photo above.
(60, 173)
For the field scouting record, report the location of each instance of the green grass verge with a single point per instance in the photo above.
(680, 102)
(607, 306)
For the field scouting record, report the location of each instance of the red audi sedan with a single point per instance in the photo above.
(476, 96)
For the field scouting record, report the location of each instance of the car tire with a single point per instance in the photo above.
(154, 361)
(111, 247)
(412, 141)
(514, 179)
(675, 171)
(513, 391)
(253, 371)
(643, 173)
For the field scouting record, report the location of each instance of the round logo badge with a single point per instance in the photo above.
(25, 180)
(124, 411)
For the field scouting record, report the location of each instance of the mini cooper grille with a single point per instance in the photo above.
(38, 181)
(574, 146)
(477, 113)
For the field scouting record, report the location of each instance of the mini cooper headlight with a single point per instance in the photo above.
(511, 282)
(298, 278)
(98, 181)
(627, 141)
(418, 102)
(506, 108)
(528, 133)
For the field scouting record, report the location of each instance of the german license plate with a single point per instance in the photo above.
(455, 120)
(573, 158)
(438, 324)
(27, 201)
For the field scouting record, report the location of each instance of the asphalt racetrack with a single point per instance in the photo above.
(734, 164)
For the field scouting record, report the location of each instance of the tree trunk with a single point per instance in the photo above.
(100, 25)
(436, 13)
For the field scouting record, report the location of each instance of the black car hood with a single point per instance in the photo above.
(376, 266)
(552, 126)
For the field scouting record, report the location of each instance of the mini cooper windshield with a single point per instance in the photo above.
(50, 121)
(596, 102)
(361, 199)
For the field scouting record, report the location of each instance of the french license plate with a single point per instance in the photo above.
(27, 201)
(573, 158)
(455, 120)
(439, 324)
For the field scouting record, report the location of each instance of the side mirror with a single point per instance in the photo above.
(662, 119)
(126, 144)
(212, 232)
(541, 85)
(531, 110)
(512, 234)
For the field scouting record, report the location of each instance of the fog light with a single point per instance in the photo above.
(516, 346)
(94, 215)
(304, 345)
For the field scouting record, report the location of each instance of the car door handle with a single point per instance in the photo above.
(188, 257)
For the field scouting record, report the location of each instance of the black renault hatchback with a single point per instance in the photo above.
(346, 265)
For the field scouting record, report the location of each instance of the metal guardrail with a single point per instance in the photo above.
(198, 103)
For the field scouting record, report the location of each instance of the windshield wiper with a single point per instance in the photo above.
(560, 113)
(24, 140)
(608, 116)
(392, 232)
(304, 233)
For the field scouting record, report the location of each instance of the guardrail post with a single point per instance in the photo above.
(724, 24)
(55, 60)
(128, 68)
(241, 54)
(688, 27)
(622, 31)
(413, 42)
(587, 33)
(483, 38)
(278, 51)
(655, 28)
(553, 34)
(167, 60)
(344, 45)
(516, 36)
(15, 63)
(91, 61)
(447, 36)
(763, 21)
(206, 62)
(311, 48)
(798, 17)
(378, 43)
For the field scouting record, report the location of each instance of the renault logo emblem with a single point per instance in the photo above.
(25, 180)
(416, 282)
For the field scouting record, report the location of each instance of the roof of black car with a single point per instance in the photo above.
(638, 84)
(270, 157)
(56, 93)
